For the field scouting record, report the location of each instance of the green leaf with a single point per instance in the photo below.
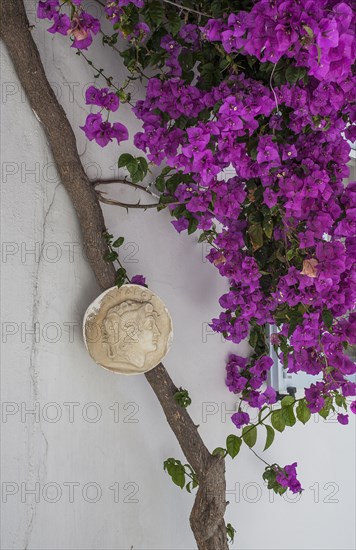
(143, 165)
(277, 420)
(269, 475)
(124, 160)
(261, 412)
(233, 445)
(268, 226)
(166, 170)
(302, 411)
(134, 169)
(253, 338)
(186, 60)
(287, 401)
(255, 232)
(295, 319)
(219, 451)
(203, 237)
(173, 182)
(107, 236)
(178, 476)
(156, 12)
(327, 318)
(118, 242)
(288, 415)
(270, 437)
(293, 74)
(309, 31)
(176, 470)
(174, 23)
(179, 211)
(165, 199)
(207, 75)
(111, 256)
(325, 411)
(230, 531)
(249, 435)
(182, 398)
(340, 401)
(291, 253)
(193, 225)
(120, 276)
(160, 184)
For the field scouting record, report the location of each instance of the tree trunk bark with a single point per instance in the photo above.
(207, 517)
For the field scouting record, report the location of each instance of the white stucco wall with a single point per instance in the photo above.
(97, 436)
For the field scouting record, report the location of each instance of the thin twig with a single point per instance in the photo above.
(272, 89)
(259, 457)
(172, 4)
(124, 181)
(109, 80)
(108, 44)
(124, 204)
(187, 9)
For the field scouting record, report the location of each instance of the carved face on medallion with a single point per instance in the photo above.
(128, 329)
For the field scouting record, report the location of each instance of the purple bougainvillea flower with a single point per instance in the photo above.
(102, 98)
(240, 419)
(47, 9)
(315, 399)
(261, 160)
(181, 224)
(189, 33)
(343, 418)
(328, 34)
(83, 26)
(119, 132)
(353, 407)
(349, 389)
(103, 132)
(138, 280)
(141, 30)
(92, 125)
(61, 24)
(268, 396)
(123, 3)
(111, 102)
(287, 477)
(267, 150)
(92, 96)
(212, 30)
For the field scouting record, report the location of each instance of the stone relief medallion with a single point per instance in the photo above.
(128, 329)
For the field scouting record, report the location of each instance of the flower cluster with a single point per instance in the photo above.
(317, 35)
(102, 98)
(287, 477)
(252, 111)
(80, 25)
(138, 280)
(286, 237)
(114, 8)
(95, 128)
(280, 479)
(102, 132)
(246, 380)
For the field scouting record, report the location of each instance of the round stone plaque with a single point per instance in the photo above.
(128, 329)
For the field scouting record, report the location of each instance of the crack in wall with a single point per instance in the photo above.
(37, 464)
